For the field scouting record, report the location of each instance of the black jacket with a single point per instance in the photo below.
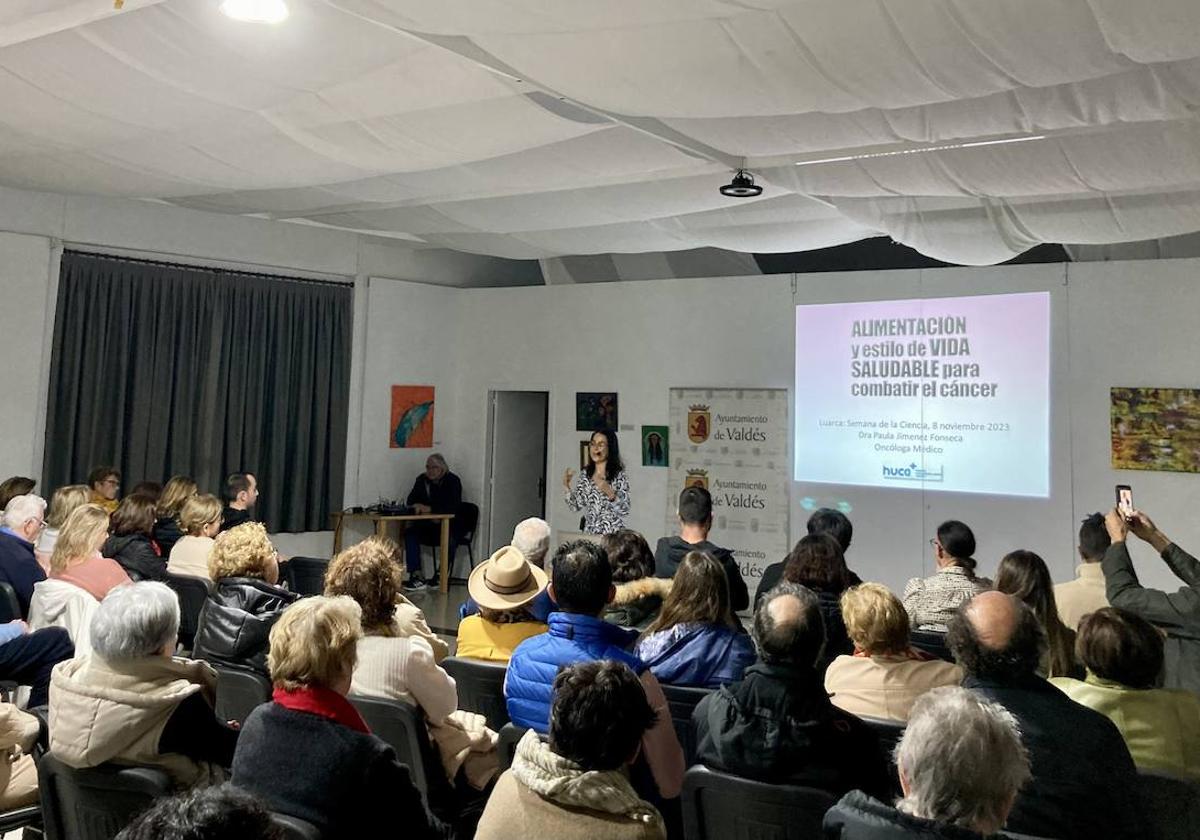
(837, 640)
(777, 725)
(859, 817)
(443, 496)
(236, 620)
(670, 551)
(1084, 781)
(347, 783)
(166, 533)
(232, 517)
(773, 574)
(137, 555)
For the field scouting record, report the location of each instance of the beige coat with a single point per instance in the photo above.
(885, 686)
(100, 712)
(410, 621)
(190, 556)
(1081, 596)
(18, 775)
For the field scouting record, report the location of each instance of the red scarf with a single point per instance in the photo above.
(326, 702)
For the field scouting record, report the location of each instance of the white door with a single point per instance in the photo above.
(518, 463)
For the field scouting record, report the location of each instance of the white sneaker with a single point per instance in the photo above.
(416, 585)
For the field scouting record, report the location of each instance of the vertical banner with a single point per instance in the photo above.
(734, 441)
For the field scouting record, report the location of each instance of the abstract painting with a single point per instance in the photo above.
(595, 411)
(1156, 429)
(412, 417)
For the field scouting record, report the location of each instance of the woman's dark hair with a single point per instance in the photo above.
(614, 466)
(1024, 574)
(699, 595)
(599, 714)
(834, 523)
(99, 474)
(135, 515)
(818, 563)
(1093, 538)
(209, 813)
(629, 555)
(958, 541)
(18, 485)
(148, 488)
(1117, 645)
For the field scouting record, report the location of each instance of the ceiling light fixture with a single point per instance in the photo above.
(742, 186)
(943, 148)
(256, 11)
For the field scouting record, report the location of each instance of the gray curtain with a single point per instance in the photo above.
(166, 369)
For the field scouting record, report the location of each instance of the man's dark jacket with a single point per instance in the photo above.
(859, 817)
(670, 551)
(19, 568)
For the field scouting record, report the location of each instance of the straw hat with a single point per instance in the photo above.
(505, 580)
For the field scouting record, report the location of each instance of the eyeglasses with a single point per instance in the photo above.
(111, 481)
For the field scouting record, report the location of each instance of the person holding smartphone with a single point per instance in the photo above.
(1176, 613)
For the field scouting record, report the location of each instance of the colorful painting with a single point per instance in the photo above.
(412, 417)
(595, 411)
(1156, 429)
(655, 446)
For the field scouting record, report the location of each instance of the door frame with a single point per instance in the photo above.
(485, 514)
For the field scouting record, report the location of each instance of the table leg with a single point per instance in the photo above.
(444, 579)
(337, 533)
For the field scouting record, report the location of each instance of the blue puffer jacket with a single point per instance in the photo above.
(697, 655)
(535, 663)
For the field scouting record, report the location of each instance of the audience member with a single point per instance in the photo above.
(104, 482)
(200, 521)
(639, 593)
(696, 639)
(777, 725)
(1083, 779)
(241, 494)
(309, 753)
(77, 558)
(1123, 654)
(931, 602)
(62, 503)
(816, 563)
(581, 585)
(131, 542)
(220, 812)
(576, 787)
(148, 488)
(1177, 613)
(885, 675)
(1085, 593)
(23, 521)
(437, 490)
(236, 619)
(531, 537)
(502, 587)
(961, 764)
(18, 773)
(695, 521)
(1024, 575)
(823, 521)
(132, 702)
(18, 485)
(167, 529)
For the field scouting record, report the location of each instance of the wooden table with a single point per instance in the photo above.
(381, 528)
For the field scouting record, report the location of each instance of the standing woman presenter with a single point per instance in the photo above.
(601, 491)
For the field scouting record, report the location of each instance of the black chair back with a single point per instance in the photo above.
(294, 828)
(239, 692)
(306, 575)
(402, 726)
(932, 643)
(506, 746)
(480, 688)
(192, 593)
(889, 732)
(10, 607)
(682, 701)
(465, 523)
(97, 802)
(717, 806)
(1170, 806)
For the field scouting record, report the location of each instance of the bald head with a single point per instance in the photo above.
(995, 636)
(788, 627)
(993, 617)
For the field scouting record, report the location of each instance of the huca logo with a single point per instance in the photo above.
(912, 472)
(699, 423)
(696, 478)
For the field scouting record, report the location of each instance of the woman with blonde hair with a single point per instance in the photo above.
(237, 617)
(349, 782)
(885, 675)
(167, 529)
(62, 503)
(77, 558)
(200, 518)
(696, 639)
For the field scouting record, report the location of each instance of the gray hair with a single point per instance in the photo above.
(949, 729)
(21, 509)
(135, 621)
(796, 639)
(531, 537)
(437, 458)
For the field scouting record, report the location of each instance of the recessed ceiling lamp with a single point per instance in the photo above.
(742, 186)
(256, 11)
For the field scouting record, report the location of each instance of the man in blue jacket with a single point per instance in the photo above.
(581, 585)
(24, 518)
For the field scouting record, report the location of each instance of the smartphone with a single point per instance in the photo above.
(1125, 500)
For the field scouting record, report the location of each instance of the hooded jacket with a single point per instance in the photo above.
(100, 712)
(236, 620)
(57, 603)
(670, 551)
(137, 555)
(637, 601)
(166, 533)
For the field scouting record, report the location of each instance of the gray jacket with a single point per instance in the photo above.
(1178, 613)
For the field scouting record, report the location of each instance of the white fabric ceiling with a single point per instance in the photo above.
(540, 128)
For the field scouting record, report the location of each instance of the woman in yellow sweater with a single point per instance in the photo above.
(503, 586)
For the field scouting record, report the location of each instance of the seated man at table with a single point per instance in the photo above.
(437, 490)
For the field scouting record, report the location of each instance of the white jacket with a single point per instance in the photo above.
(56, 603)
